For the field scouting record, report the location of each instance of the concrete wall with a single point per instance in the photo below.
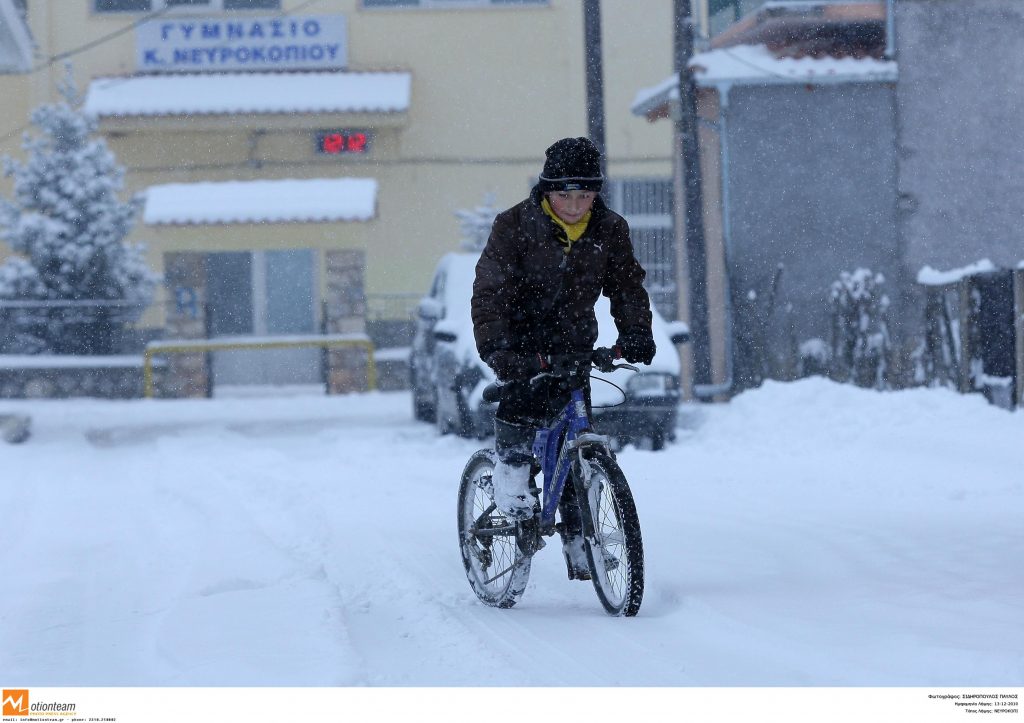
(961, 116)
(811, 177)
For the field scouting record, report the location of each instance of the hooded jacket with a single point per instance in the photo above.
(529, 296)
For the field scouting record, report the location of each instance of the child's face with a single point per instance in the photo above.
(571, 206)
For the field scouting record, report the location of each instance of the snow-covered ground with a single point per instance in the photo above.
(806, 534)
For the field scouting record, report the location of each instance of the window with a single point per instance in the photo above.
(646, 204)
(145, 6)
(448, 4)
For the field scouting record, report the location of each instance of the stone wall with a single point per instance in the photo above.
(68, 377)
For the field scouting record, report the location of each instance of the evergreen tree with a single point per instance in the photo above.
(68, 226)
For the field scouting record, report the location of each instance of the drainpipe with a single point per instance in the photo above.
(890, 31)
(711, 390)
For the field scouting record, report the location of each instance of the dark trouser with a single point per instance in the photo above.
(522, 409)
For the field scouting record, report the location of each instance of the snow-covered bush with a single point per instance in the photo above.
(475, 224)
(814, 357)
(861, 345)
(67, 225)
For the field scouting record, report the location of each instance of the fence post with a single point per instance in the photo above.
(967, 320)
(1018, 315)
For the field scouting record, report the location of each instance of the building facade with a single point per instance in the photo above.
(303, 161)
(796, 107)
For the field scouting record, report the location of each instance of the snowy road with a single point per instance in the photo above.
(803, 535)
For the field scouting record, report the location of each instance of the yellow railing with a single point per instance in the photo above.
(189, 346)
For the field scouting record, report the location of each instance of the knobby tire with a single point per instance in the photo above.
(612, 538)
(492, 547)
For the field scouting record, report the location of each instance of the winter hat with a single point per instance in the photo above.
(572, 164)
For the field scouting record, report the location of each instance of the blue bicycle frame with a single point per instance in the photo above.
(552, 446)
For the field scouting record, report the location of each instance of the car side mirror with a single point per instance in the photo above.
(430, 309)
(448, 336)
(678, 332)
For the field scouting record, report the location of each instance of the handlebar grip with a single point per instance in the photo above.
(492, 393)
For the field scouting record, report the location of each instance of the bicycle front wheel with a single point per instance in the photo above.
(614, 547)
(496, 565)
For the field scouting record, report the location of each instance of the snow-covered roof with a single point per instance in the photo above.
(282, 201)
(757, 65)
(933, 277)
(15, 40)
(226, 93)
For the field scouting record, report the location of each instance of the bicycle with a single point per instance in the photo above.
(497, 553)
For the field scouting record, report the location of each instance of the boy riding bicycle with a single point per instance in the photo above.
(545, 264)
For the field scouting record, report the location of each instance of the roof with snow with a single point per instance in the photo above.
(282, 201)
(757, 65)
(228, 93)
(934, 277)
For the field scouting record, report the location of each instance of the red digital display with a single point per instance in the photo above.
(333, 143)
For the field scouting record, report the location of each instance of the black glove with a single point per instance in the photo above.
(604, 358)
(511, 365)
(637, 347)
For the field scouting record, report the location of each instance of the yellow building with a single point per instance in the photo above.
(303, 159)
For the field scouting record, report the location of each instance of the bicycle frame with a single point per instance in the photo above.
(553, 447)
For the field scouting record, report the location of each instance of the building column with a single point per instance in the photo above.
(345, 313)
(185, 375)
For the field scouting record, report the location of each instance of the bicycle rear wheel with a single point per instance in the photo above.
(492, 553)
(612, 539)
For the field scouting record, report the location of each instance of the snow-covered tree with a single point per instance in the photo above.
(475, 224)
(861, 346)
(67, 226)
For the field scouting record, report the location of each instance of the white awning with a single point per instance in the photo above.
(229, 93)
(283, 201)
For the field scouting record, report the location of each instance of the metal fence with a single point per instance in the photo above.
(79, 326)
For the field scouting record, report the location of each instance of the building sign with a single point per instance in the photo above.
(333, 143)
(196, 45)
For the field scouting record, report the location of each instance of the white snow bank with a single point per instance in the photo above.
(933, 277)
(805, 534)
(69, 361)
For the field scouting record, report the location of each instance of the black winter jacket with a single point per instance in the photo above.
(530, 296)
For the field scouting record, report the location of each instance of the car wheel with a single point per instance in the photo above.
(423, 410)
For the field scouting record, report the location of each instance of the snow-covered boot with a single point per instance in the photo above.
(570, 530)
(512, 495)
(511, 478)
(576, 563)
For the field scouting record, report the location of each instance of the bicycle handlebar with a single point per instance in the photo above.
(567, 365)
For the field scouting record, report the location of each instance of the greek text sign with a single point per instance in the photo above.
(192, 45)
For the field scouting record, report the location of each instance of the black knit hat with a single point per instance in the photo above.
(572, 164)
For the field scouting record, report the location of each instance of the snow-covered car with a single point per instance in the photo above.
(447, 375)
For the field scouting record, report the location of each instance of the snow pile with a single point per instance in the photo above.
(806, 534)
(933, 277)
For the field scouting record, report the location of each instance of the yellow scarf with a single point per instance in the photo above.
(573, 231)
